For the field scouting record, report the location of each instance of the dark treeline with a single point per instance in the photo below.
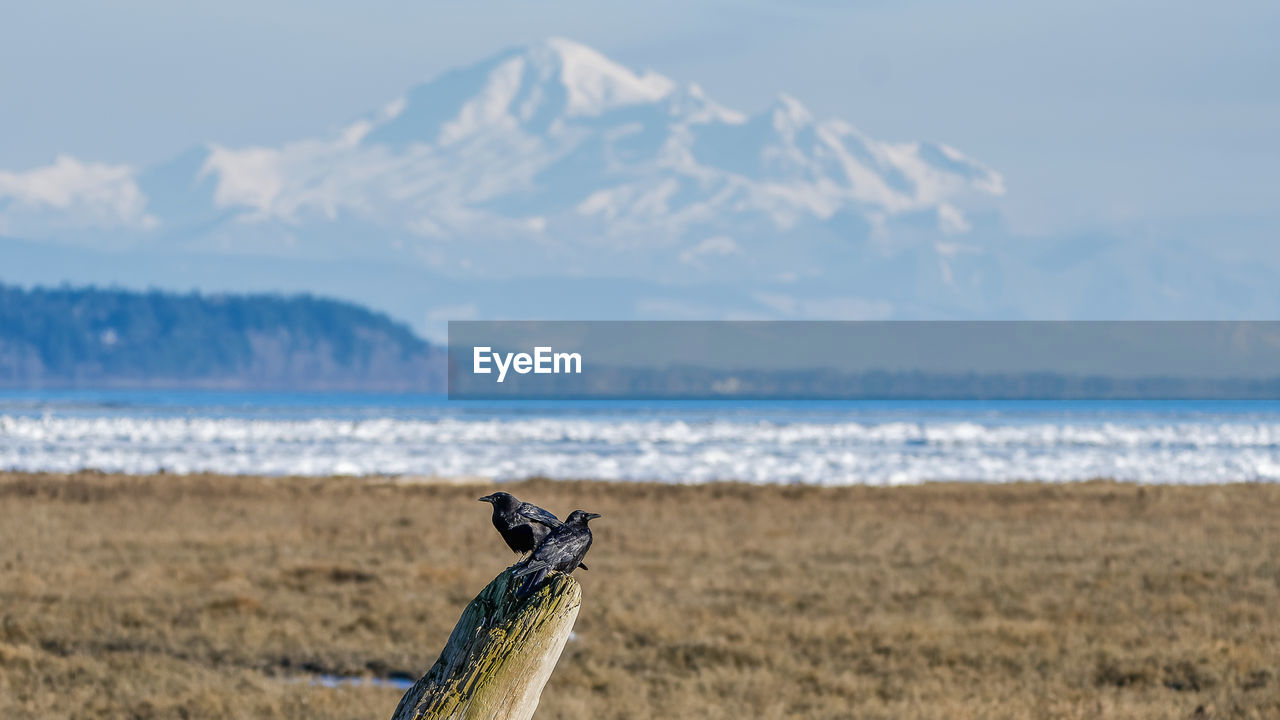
(696, 383)
(91, 337)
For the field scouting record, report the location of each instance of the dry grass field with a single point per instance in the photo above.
(217, 597)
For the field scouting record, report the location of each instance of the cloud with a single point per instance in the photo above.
(73, 193)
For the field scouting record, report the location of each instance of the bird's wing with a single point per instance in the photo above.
(555, 551)
(538, 515)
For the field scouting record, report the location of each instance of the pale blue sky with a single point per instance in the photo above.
(1100, 114)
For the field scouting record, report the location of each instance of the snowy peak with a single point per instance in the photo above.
(532, 88)
(788, 115)
(593, 83)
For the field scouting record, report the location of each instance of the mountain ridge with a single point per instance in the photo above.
(552, 143)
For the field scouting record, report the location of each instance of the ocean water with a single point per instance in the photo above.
(825, 443)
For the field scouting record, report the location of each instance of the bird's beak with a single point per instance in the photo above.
(592, 516)
(487, 498)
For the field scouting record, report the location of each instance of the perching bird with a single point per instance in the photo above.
(522, 525)
(562, 550)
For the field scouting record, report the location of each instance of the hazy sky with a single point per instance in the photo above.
(1098, 113)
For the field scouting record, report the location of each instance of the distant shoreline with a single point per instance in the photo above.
(481, 481)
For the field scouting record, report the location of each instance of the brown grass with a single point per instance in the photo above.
(214, 597)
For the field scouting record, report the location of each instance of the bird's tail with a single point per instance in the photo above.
(533, 582)
(533, 577)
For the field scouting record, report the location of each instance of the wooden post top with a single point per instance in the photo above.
(500, 654)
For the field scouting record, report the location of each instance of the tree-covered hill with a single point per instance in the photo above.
(90, 337)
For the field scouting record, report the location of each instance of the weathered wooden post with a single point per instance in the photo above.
(500, 654)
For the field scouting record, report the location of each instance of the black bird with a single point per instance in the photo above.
(522, 525)
(562, 550)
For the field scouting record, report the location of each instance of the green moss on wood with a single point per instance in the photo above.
(500, 654)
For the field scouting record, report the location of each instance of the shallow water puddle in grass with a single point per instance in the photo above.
(337, 681)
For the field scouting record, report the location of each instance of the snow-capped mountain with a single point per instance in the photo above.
(550, 155)
(551, 182)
